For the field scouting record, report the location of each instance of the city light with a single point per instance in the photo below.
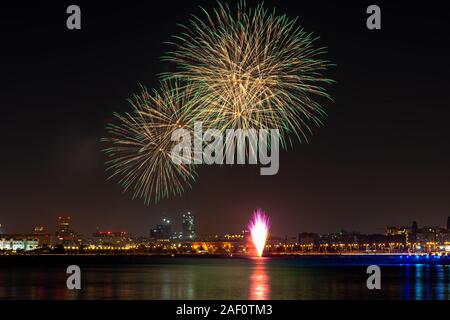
(259, 230)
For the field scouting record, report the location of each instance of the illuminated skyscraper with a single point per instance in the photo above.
(63, 224)
(64, 235)
(188, 226)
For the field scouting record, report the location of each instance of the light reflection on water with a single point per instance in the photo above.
(419, 282)
(255, 279)
(425, 282)
(259, 281)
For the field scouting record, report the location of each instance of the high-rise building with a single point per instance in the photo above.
(64, 234)
(162, 231)
(63, 225)
(448, 224)
(188, 226)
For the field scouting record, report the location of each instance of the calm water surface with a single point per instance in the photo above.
(212, 278)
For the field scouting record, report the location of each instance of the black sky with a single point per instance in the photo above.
(382, 157)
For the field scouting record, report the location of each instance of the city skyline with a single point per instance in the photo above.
(164, 229)
(421, 241)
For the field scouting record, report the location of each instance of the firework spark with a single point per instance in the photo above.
(140, 144)
(252, 69)
(259, 230)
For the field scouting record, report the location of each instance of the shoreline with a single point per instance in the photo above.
(138, 259)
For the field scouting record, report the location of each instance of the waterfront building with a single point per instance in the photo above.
(41, 234)
(443, 237)
(427, 239)
(306, 238)
(391, 231)
(340, 239)
(401, 234)
(111, 239)
(426, 234)
(18, 243)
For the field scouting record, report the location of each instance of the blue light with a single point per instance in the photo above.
(417, 257)
(401, 257)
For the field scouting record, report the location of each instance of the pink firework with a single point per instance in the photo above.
(259, 229)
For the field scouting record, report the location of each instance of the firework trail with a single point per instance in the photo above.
(252, 69)
(259, 230)
(140, 144)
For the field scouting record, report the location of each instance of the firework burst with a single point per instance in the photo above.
(242, 69)
(140, 143)
(252, 69)
(259, 230)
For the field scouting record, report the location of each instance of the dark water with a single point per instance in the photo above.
(212, 278)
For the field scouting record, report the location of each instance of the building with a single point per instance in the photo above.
(113, 239)
(18, 243)
(43, 237)
(393, 231)
(400, 234)
(64, 234)
(343, 237)
(188, 226)
(426, 239)
(63, 228)
(162, 231)
(448, 224)
(442, 237)
(306, 238)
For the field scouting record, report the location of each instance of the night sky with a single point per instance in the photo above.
(381, 159)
